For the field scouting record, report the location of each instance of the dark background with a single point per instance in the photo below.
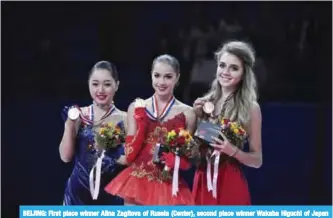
(48, 49)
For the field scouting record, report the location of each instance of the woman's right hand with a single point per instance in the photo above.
(66, 147)
(70, 123)
(137, 121)
(198, 105)
(140, 114)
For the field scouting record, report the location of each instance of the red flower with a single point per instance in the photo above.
(173, 142)
(225, 121)
(181, 140)
(241, 132)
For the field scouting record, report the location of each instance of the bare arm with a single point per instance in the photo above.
(122, 159)
(130, 121)
(125, 122)
(191, 120)
(253, 158)
(67, 144)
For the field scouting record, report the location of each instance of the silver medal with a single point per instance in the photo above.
(73, 113)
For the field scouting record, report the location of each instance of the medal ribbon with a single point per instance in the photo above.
(175, 180)
(95, 185)
(89, 119)
(165, 111)
(212, 185)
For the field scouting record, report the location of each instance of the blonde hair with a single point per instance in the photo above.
(239, 106)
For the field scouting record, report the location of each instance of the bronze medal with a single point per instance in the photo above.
(208, 107)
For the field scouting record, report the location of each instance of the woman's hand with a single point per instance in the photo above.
(224, 146)
(70, 124)
(122, 160)
(168, 159)
(140, 110)
(198, 105)
(67, 144)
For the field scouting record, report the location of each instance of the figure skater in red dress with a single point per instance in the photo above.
(140, 183)
(233, 95)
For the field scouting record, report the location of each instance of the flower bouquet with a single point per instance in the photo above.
(109, 136)
(234, 132)
(177, 143)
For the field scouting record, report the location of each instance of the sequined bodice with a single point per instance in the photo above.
(143, 165)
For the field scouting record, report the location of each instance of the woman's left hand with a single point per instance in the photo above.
(224, 146)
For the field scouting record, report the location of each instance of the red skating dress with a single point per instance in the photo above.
(231, 188)
(229, 183)
(140, 183)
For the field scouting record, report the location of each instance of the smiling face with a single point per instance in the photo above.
(102, 86)
(164, 78)
(229, 70)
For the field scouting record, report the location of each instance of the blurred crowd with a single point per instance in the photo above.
(283, 40)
